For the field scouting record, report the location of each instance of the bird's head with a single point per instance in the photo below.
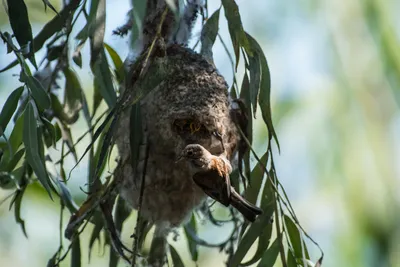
(192, 151)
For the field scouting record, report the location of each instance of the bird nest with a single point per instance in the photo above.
(189, 106)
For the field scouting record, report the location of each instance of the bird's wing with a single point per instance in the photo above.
(215, 186)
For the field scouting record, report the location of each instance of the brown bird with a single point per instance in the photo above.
(212, 176)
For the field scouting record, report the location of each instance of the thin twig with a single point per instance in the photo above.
(139, 212)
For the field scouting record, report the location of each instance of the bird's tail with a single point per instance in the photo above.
(248, 210)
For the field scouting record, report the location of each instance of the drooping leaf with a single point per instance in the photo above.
(102, 79)
(260, 225)
(290, 260)
(295, 238)
(209, 34)
(97, 29)
(270, 256)
(176, 259)
(265, 89)
(138, 13)
(257, 175)
(76, 252)
(42, 99)
(19, 21)
(235, 26)
(191, 244)
(30, 137)
(48, 4)
(255, 80)
(17, 199)
(9, 107)
(118, 64)
(267, 203)
(73, 93)
(15, 159)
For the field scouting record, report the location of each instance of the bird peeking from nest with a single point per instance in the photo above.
(211, 174)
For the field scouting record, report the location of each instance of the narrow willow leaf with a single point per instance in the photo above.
(73, 93)
(257, 175)
(290, 260)
(270, 256)
(265, 89)
(55, 25)
(176, 259)
(48, 4)
(103, 80)
(118, 64)
(9, 107)
(255, 80)
(97, 29)
(295, 238)
(42, 99)
(49, 133)
(19, 21)
(209, 34)
(76, 252)
(139, 12)
(30, 137)
(267, 203)
(245, 96)
(17, 200)
(191, 226)
(6, 180)
(15, 159)
(98, 226)
(121, 214)
(251, 235)
(235, 26)
(59, 111)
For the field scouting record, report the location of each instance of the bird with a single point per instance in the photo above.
(211, 174)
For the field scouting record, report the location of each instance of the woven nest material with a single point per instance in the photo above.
(189, 105)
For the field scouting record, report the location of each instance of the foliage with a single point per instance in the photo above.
(43, 121)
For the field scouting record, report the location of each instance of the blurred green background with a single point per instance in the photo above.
(335, 68)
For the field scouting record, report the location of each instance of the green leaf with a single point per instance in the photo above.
(15, 141)
(255, 230)
(30, 137)
(139, 12)
(118, 64)
(257, 175)
(55, 25)
(7, 180)
(48, 4)
(290, 260)
(265, 89)
(267, 203)
(76, 252)
(19, 21)
(73, 93)
(191, 244)
(102, 79)
(255, 80)
(245, 96)
(15, 159)
(97, 29)
(121, 214)
(295, 238)
(42, 99)
(17, 209)
(209, 34)
(235, 26)
(270, 256)
(9, 107)
(176, 259)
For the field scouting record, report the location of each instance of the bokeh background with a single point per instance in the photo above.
(335, 68)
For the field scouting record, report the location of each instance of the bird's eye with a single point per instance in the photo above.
(190, 153)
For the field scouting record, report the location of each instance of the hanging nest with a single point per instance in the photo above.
(187, 106)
